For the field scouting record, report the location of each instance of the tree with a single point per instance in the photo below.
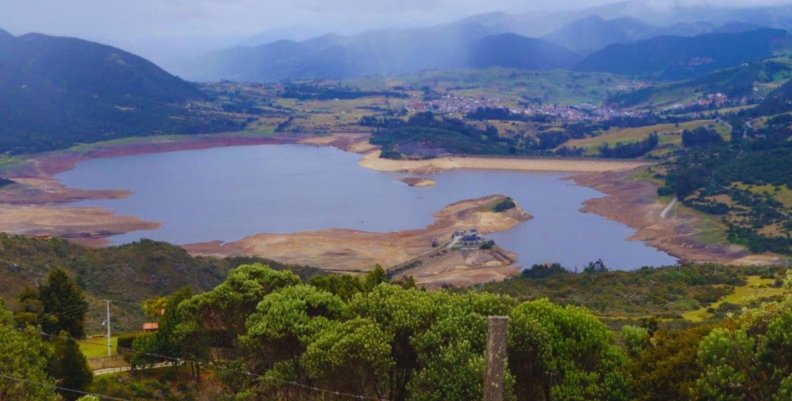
(166, 341)
(353, 357)
(344, 286)
(63, 305)
(286, 322)
(666, 368)
(376, 277)
(563, 353)
(227, 307)
(635, 339)
(69, 367)
(752, 361)
(23, 356)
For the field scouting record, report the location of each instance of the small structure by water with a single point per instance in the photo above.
(469, 239)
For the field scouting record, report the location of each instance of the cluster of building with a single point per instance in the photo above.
(452, 104)
(712, 100)
(468, 239)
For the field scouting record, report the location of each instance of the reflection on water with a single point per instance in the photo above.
(229, 193)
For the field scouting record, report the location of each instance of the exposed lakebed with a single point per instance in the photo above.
(232, 192)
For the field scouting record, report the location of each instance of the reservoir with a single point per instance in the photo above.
(232, 192)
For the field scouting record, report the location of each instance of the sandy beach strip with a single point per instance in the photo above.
(373, 161)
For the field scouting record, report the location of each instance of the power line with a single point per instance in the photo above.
(70, 390)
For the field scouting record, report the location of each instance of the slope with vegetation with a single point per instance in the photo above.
(56, 92)
(264, 334)
(127, 273)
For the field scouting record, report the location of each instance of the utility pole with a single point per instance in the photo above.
(496, 357)
(109, 336)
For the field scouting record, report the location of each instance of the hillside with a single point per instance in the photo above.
(515, 51)
(128, 273)
(748, 81)
(675, 57)
(55, 92)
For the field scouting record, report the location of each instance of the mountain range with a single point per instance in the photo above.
(677, 57)
(536, 40)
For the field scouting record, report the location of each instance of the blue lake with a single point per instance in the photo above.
(233, 192)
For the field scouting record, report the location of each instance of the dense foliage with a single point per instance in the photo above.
(719, 179)
(131, 272)
(385, 340)
(630, 150)
(425, 135)
(375, 339)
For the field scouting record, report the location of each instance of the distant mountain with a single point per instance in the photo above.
(55, 92)
(740, 82)
(334, 56)
(594, 33)
(514, 51)
(675, 57)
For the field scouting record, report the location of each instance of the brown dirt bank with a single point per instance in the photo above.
(85, 225)
(634, 202)
(354, 251)
(419, 181)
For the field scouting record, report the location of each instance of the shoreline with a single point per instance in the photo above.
(354, 251)
(634, 203)
(38, 196)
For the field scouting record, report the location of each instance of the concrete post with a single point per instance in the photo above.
(496, 358)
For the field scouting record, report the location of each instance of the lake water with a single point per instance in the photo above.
(232, 192)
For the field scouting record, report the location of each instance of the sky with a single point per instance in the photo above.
(158, 28)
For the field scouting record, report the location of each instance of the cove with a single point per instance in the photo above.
(232, 192)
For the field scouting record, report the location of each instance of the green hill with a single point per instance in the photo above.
(56, 92)
(748, 81)
(129, 273)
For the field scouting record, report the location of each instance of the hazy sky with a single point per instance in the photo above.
(144, 25)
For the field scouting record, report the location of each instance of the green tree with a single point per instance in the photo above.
(344, 286)
(167, 341)
(563, 353)
(666, 368)
(353, 357)
(69, 367)
(227, 307)
(451, 351)
(63, 305)
(286, 322)
(23, 356)
(751, 361)
(376, 277)
(635, 339)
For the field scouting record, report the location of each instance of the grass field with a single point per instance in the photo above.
(755, 287)
(670, 134)
(782, 194)
(97, 347)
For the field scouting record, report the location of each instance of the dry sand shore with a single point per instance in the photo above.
(353, 251)
(373, 161)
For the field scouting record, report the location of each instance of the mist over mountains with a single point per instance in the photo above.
(536, 41)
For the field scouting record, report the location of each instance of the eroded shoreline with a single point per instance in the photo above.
(355, 251)
(38, 199)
